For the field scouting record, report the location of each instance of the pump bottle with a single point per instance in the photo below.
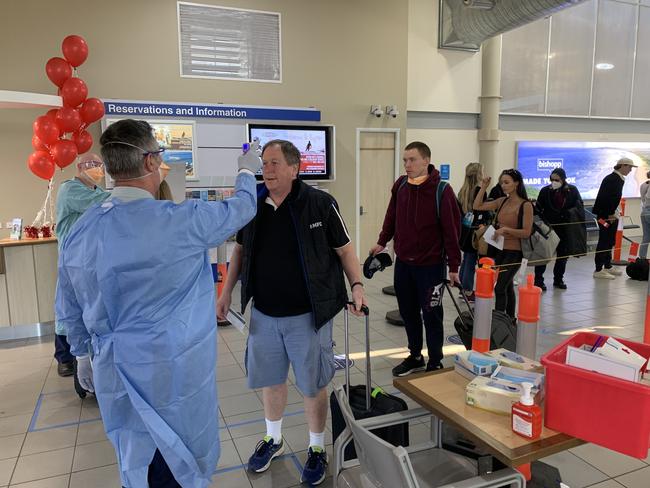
(526, 416)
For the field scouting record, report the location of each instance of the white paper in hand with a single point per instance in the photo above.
(492, 239)
(236, 319)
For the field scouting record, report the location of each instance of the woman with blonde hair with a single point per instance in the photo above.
(471, 220)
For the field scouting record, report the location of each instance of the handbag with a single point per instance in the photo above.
(478, 242)
(540, 247)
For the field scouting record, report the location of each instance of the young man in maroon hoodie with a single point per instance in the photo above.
(426, 242)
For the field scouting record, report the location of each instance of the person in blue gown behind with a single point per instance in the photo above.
(136, 297)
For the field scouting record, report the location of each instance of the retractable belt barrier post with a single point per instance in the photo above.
(222, 271)
(483, 305)
(529, 305)
(634, 252)
(619, 236)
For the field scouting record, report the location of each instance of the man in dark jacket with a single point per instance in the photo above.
(292, 257)
(426, 241)
(605, 209)
(560, 204)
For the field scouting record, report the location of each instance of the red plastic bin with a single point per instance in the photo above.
(597, 408)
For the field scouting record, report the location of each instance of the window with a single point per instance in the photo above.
(226, 43)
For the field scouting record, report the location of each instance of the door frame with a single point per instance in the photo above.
(357, 200)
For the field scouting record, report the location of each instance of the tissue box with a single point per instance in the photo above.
(518, 376)
(471, 364)
(516, 361)
(492, 394)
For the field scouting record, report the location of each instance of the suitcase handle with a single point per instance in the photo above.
(366, 313)
(453, 299)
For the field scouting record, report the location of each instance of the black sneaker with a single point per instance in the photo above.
(410, 365)
(431, 366)
(559, 284)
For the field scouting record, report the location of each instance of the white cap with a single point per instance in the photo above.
(526, 398)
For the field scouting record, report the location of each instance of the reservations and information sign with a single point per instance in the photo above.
(127, 109)
(585, 164)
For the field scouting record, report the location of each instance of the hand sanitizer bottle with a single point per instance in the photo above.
(526, 416)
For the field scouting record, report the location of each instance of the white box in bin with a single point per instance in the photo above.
(585, 359)
(620, 352)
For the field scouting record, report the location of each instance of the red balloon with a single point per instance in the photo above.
(37, 144)
(58, 70)
(64, 151)
(46, 130)
(83, 140)
(40, 163)
(52, 113)
(68, 119)
(75, 50)
(74, 91)
(92, 110)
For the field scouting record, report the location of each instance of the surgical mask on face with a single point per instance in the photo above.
(96, 174)
(556, 185)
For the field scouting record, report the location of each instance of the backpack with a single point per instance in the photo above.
(638, 270)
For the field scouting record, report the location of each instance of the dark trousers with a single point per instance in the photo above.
(160, 476)
(606, 241)
(504, 291)
(558, 271)
(419, 289)
(62, 349)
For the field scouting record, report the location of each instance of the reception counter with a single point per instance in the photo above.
(28, 271)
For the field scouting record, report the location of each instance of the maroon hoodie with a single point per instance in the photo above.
(412, 221)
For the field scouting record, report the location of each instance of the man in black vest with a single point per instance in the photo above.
(605, 209)
(292, 257)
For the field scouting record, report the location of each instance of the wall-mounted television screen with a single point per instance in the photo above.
(585, 164)
(315, 143)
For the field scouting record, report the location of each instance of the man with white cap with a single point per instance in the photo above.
(605, 209)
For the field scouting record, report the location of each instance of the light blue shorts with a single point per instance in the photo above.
(276, 342)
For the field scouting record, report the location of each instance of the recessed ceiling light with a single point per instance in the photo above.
(604, 66)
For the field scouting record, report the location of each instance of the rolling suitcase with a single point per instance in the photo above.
(366, 403)
(504, 331)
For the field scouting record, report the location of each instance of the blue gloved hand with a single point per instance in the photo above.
(85, 373)
(250, 159)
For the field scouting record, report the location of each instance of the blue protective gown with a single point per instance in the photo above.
(135, 285)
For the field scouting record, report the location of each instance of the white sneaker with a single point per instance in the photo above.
(613, 271)
(603, 275)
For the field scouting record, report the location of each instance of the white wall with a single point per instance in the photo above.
(449, 146)
(439, 80)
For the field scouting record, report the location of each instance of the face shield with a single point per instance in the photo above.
(93, 169)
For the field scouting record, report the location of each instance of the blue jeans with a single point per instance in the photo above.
(468, 270)
(645, 223)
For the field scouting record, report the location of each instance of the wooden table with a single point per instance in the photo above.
(443, 394)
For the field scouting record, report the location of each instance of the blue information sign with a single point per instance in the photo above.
(445, 171)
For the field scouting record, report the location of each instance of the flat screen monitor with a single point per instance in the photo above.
(585, 164)
(315, 143)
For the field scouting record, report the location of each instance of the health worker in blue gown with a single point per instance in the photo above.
(136, 297)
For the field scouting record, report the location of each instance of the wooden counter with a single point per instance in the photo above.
(443, 394)
(26, 242)
(28, 273)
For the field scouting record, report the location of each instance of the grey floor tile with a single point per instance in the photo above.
(62, 399)
(636, 479)
(43, 465)
(575, 472)
(49, 440)
(10, 446)
(238, 404)
(6, 468)
(55, 482)
(231, 479)
(607, 484)
(94, 455)
(609, 462)
(229, 456)
(58, 417)
(104, 477)
(230, 372)
(91, 432)
(16, 424)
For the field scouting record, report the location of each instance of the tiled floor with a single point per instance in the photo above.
(51, 439)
